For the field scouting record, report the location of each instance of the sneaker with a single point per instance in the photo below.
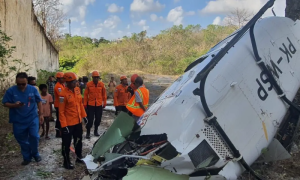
(24, 163)
(37, 159)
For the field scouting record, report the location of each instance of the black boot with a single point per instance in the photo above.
(58, 134)
(96, 132)
(24, 163)
(78, 159)
(88, 136)
(67, 163)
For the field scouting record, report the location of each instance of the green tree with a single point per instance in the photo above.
(169, 52)
(103, 40)
(73, 49)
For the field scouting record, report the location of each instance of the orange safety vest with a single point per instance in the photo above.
(134, 107)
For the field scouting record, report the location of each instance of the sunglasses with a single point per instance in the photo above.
(21, 84)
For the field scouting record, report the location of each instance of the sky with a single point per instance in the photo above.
(113, 19)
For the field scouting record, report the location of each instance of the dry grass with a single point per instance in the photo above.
(168, 53)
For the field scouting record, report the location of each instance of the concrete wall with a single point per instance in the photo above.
(32, 45)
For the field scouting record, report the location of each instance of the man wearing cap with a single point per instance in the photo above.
(71, 112)
(59, 87)
(121, 96)
(94, 102)
(138, 103)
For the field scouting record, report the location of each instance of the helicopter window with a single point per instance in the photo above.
(203, 155)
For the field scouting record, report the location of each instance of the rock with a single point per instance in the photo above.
(294, 148)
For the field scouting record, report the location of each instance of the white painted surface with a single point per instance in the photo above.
(240, 111)
(32, 46)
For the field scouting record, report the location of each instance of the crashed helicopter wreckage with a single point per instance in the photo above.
(245, 83)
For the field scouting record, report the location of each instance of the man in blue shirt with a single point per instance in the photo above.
(25, 113)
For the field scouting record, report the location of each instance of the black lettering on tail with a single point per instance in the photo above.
(261, 90)
(274, 68)
(286, 52)
(265, 79)
(292, 48)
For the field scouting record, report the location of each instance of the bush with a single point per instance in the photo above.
(43, 76)
(170, 52)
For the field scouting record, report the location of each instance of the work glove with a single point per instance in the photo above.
(65, 130)
(130, 90)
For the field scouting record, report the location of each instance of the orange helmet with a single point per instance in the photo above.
(95, 74)
(133, 77)
(69, 76)
(123, 77)
(59, 75)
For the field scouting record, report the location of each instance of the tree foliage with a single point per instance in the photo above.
(51, 17)
(169, 52)
(238, 18)
(73, 49)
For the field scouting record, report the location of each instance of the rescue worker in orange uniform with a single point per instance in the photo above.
(71, 112)
(94, 101)
(139, 102)
(59, 87)
(131, 88)
(121, 96)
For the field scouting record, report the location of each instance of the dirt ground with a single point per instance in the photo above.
(51, 166)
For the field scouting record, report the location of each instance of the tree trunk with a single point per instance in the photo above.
(292, 9)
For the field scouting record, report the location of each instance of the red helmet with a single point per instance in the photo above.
(69, 76)
(123, 77)
(59, 75)
(133, 77)
(95, 74)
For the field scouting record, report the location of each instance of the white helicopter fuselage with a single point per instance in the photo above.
(238, 93)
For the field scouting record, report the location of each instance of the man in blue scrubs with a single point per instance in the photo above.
(25, 113)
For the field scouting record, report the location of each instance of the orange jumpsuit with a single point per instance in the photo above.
(71, 112)
(95, 95)
(95, 100)
(121, 98)
(57, 90)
